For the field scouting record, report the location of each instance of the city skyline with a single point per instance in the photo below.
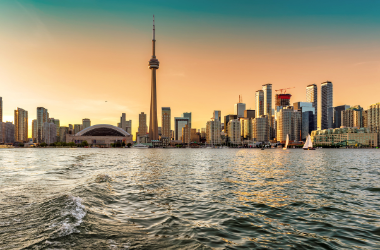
(55, 79)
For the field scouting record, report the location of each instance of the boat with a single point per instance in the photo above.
(287, 142)
(308, 144)
(139, 145)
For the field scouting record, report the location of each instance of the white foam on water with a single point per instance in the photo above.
(74, 212)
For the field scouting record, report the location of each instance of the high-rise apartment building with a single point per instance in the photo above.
(212, 133)
(166, 115)
(260, 129)
(186, 134)
(7, 133)
(284, 123)
(259, 100)
(312, 96)
(1, 109)
(353, 117)
(21, 125)
(282, 100)
(326, 102)
(234, 133)
(57, 125)
(249, 113)
(246, 128)
(179, 123)
(86, 123)
(34, 130)
(49, 133)
(307, 115)
(331, 117)
(217, 115)
(143, 128)
(228, 118)
(42, 117)
(194, 136)
(77, 128)
(63, 131)
(338, 114)
(267, 90)
(187, 115)
(374, 119)
(365, 118)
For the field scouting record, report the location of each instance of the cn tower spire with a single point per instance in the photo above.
(153, 65)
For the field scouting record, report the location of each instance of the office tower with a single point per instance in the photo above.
(246, 128)
(128, 127)
(21, 125)
(374, 119)
(312, 96)
(365, 118)
(227, 118)
(331, 117)
(194, 136)
(326, 102)
(338, 114)
(34, 130)
(7, 133)
(123, 122)
(143, 128)
(57, 125)
(212, 132)
(249, 113)
(77, 128)
(49, 133)
(217, 115)
(153, 65)
(353, 117)
(284, 124)
(234, 133)
(86, 123)
(185, 134)
(260, 129)
(187, 115)
(282, 100)
(239, 108)
(179, 123)
(267, 90)
(259, 100)
(63, 131)
(296, 126)
(42, 117)
(166, 115)
(307, 116)
(1, 109)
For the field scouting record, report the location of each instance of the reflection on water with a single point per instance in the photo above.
(189, 199)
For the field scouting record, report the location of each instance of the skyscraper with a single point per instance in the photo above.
(267, 90)
(153, 65)
(338, 114)
(312, 96)
(217, 115)
(143, 128)
(326, 102)
(86, 123)
(187, 115)
(21, 125)
(259, 103)
(42, 117)
(353, 117)
(1, 109)
(166, 122)
(34, 130)
(374, 119)
(179, 123)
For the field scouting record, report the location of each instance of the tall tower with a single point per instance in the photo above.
(153, 65)
(326, 102)
(312, 96)
(259, 103)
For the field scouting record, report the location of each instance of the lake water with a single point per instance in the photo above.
(189, 199)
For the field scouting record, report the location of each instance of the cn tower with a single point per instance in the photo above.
(153, 65)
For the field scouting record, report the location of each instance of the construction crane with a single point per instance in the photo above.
(283, 91)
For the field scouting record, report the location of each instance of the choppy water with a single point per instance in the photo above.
(189, 199)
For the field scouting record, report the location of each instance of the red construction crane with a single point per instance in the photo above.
(283, 91)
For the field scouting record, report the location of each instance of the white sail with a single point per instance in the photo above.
(310, 142)
(306, 145)
(287, 141)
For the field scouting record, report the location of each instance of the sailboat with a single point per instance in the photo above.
(287, 142)
(308, 144)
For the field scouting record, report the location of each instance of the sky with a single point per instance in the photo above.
(89, 59)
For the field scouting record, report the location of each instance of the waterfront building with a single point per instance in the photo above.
(179, 123)
(212, 133)
(267, 90)
(42, 117)
(353, 117)
(282, 100)
(86, 123)
(186, 134)
(234, 133)
(284, 124)
(63, 131)
(259, 100)
(228, 118)
(49, 133)
(77, 128)
(326, 102)
(338, 114)
(166, 122)
(57, 125)
(365, 118)
(260, 129)
(307, 116)
(187, 115)
(374, 119)
(246, 128)
(21, 125)
(34, 130)
(7, 133)
(100, 135)
(143, 128)
(312, 96)
(194, 136)
(249, 113)
(345, 136)
(1, 109)
(217, 115)
(296, 126)
(153, 65)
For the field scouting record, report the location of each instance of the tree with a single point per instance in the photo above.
(84, 144)
(43, 144)
(129, 145)
(71, 144)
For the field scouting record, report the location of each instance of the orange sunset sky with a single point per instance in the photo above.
(72, 56)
